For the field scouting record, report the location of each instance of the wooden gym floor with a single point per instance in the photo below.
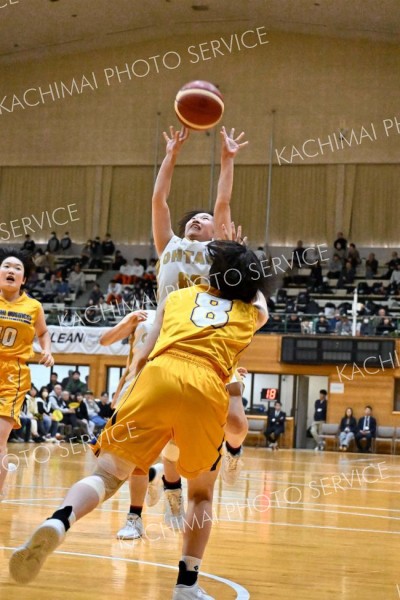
(299, 525)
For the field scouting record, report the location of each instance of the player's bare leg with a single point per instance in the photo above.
(236, 430)
(83, 497)
(6, 425)
(133, 528)
(195, 536)
(174, 510)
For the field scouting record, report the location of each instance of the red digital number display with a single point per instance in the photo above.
(271, 394)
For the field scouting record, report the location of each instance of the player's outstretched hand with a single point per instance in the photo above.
(175, 139)
(47, 360)
(137, 316)
(233, 235)
(242, 371)
(231, 144)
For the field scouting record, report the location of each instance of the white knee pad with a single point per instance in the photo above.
(171, 452)
(103, 483)
(97, 484)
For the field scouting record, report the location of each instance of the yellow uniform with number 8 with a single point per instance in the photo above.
(181, 392)
(17, 330)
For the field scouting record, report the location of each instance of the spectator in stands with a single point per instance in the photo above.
(344, 326)
(353, 256)
(28, 245)
(151, 271)
(347, 275)
(322, 326)
(53, 382)
(96, 254)
(50, 290)
(395, 277)
(40, 260)
(65, 242)
(275, 426)
(385, 327)
(316, 278)
(95, 295)
(371, 266)
(69, 415)
(76, 280)
(53, 245)
(104, 404)
(86, 253)
(45, 409)
(119, 260)
(378, 319)
(366, 431)
(53, 317)
(392, 264)
(319, 418)
(114, 291)
(341, 252)
(274, 324)
(365, 327)
(31, 411)
(335, 267)
(82, 414)
(340, 241)
(299, 255)
(293, 324)
(125, 275)
(137, 269)
(23, 434)
(94, 410)
(348, 429)
(108, 245)
(68, 379)
(63, 290)
(76, 385)
(54, 397)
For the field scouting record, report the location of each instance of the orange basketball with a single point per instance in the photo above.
(199, 105)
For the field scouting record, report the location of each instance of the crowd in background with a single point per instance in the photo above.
(61, 411)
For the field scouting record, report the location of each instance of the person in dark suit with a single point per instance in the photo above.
(348, 429)
(366, 430)
(276, 425)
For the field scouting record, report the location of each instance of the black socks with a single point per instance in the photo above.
(175, 485)
(186, 577)
(63, 515)
(135, 510)
(233, 451)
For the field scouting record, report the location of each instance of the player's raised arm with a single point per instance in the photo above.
(161, 218)
(141, 354)
(222, 210)
(44, 339)
(123, 329)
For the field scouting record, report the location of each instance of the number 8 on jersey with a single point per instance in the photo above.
(210, 311)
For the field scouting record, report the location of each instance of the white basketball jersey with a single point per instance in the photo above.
(182, 262)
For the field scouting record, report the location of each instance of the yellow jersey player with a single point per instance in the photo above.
(183, 260)
(21, 318)
(193, 349)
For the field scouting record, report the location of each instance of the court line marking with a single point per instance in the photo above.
(241, 592)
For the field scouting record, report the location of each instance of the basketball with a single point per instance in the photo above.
(199, 105)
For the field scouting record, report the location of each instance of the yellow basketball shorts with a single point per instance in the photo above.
(176, 396)
(15, 383)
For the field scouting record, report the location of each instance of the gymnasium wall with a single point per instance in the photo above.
(97, 147)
